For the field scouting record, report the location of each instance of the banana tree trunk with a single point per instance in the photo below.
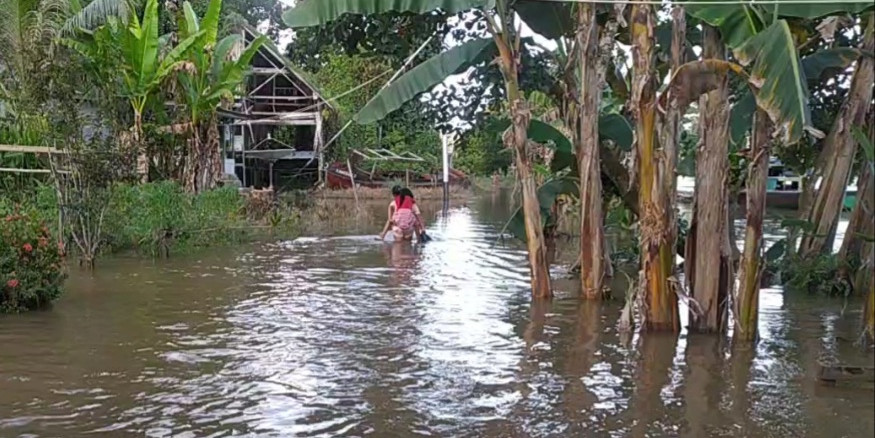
(837, 157)
(203, 165)
(516, 139)
(856, 248)
(751, 269)
(709, 261)
(140, 147)
(656, 223)
(869, 315)
(592, 239)
(861, 223)
(537, 248)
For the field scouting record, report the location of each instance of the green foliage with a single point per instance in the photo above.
(314, 13)
(782, 88)
(480, 151)
(31, 270)
(211, 77)
(28, 131)
(423, 77)
(341, 74)
(403, 130)
(149, 217)
(823, 275)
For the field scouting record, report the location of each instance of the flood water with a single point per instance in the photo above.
(346, 336)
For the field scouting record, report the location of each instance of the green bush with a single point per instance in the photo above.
(481, 151)
(31, 268)
(160, 216)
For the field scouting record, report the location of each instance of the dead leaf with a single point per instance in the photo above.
(831, 24)
(694, 79)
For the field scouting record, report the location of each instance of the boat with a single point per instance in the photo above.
(783, 188)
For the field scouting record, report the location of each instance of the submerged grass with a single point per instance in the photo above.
(157, 219)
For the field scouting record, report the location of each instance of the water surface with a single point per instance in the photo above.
(346, 336)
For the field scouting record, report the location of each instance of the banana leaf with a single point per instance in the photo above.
(780, 85)
(741, 119)
(548, 19)
(423, 77)
(823, 64)
(738, 23)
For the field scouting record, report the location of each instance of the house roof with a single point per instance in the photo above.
(276, 53)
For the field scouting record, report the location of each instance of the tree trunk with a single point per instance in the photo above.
(203, 165)
(837, 157)
(657, 226)
(592, 239)
(517, 139)
(751, 269)
(709, 261)
(869, 315)
(140, 148)
(860, 223)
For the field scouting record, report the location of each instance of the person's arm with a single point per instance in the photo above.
(388, 221)
(420, 225)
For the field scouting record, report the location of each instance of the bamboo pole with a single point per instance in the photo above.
(352, 180)
(29, 149)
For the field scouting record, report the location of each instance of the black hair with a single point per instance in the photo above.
(403, 193)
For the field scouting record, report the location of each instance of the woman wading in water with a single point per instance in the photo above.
(405, 219)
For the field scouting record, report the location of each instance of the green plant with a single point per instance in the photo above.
(209, 79)
(135, 50)
(31, 263)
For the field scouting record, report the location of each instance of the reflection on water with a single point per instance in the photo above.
(348, 336)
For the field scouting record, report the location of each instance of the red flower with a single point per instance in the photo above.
(9, 218)
(27, 247)
(12, 283)
(61, 246)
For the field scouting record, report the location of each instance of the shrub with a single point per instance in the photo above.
(160, 216)
(31, 268)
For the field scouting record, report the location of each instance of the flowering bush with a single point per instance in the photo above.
(31, 268)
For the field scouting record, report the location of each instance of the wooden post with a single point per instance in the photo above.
(352, 180)
(407, 177)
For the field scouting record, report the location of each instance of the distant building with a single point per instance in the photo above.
(273, 134)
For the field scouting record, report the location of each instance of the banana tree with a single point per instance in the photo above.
(834, 164)
(209, 78)
(504, 45)
(141, 69)
(857, 245)
(759, 35)
(708, 258)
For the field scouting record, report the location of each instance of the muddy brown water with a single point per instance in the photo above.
(345, 336)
